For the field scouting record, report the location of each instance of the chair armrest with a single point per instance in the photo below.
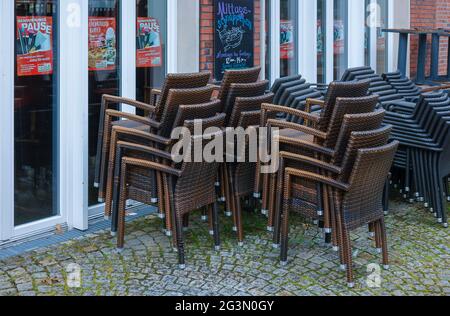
(297, 127)
(142, 134)
(151, 165)
(214, 86)
(306, 144)
(286, 110)
(318, 178)
(133, 117)
(145, 149)
(311, 161)
(311, 102)
(107, 99)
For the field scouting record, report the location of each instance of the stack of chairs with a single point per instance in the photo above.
(424, 153)
(293, 91)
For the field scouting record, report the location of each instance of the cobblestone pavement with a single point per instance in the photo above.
(419, 250)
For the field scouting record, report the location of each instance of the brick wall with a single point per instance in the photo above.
(207, 35)
(429, 14)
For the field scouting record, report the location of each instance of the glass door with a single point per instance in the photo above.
(340, 37)
(288, 37)
(151, 46)
(104, 70)
(36, 109)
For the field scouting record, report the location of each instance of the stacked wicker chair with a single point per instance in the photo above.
(111, 115)
(424, 137)
(323, 124)
(190, 185)
(240, 177)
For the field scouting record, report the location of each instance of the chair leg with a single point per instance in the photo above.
(240, 231)
(265, 195)
(271, 205)
(278, 205)
(210, 211)
(110, 176)
(178, 221)
(284, 234)
(121, 209)
(215, 220)
(384, 243)
(169, 213)
(105, 146)
(227, 185)
(161, 203)
(348, 257)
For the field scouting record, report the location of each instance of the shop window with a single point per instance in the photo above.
(340, 37)
(321, 41)
(376, 21)
(288, 37)
(104, 70)
(151, 55)
(35, 111)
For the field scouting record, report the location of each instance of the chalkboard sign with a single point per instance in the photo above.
(233, 35)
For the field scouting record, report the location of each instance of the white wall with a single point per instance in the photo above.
(188, 54)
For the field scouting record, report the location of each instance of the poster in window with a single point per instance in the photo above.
(233, 35)
(34, 45)
(339, 37)
(148, 43)
(102, 43)
(287, 39)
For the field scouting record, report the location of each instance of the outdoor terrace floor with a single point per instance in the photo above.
(419, 251)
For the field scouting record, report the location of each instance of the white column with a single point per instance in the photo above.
(188, 36)
(73, 97)
(275, 40)
(128, 51)
(172, 36)
(7, 120)
(355, 33)
(308, 39)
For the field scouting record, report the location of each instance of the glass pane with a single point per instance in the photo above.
(321, 41)
(104, 70)
(367, 37)
(382, 9)
(151, 56)
(288, 37)
(35, 111)
(340, 38)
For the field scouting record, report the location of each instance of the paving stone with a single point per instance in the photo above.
(149, 266)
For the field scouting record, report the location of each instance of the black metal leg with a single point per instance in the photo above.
(215, 215)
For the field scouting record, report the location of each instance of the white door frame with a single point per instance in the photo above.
(275, 40)
(307, 42)
(7, 121)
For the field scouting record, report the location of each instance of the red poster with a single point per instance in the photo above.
(287, 39)
(149, 51)
(102, 43)
(34, 45)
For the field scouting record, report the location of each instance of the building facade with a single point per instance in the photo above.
(58, 57)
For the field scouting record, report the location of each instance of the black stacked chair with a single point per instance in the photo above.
(424, 157)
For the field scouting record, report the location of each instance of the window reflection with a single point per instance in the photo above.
(35, 111)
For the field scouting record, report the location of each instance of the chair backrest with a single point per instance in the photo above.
(180, 81)
(236, 76)
(362, 204)
(243, 90)
(358, 141)
(196, 111)
(278, 82)
(179, 97)
(340, 90)
(247, 104)
(343, 107)
(195, 187)
(355, 123)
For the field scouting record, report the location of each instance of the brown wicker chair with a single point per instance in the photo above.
(250, 75)
(319, 122)
(163, 128)
(239, 177)
(315, 135)
(318, 156)
(190, 188)
(357, 191)
(153, 111)
(184, 115)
